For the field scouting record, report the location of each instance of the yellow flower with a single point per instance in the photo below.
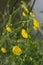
(8, 29)
(24, 6)
(3, 50)
(35, 24)
(31, 58)
(24, 14)
(32, 14)
(16, 50)
(24, 33)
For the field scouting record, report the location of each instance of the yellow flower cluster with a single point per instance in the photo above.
(24, 33)
(8, 29)
(3, 50)
(25, 8)
(35, 24)
(16, 50)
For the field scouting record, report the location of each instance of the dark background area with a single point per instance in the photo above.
(12, 3)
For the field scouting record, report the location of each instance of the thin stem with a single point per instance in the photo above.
(40, 31)
(32, 6)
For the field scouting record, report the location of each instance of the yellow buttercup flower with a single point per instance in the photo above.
(8, 29)
(24, 6)
(35, 24)
(24, 14)
(16, 50)
(3, 50)
(32, 14)
(24, 33)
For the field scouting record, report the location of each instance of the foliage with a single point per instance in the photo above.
(18, 44)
